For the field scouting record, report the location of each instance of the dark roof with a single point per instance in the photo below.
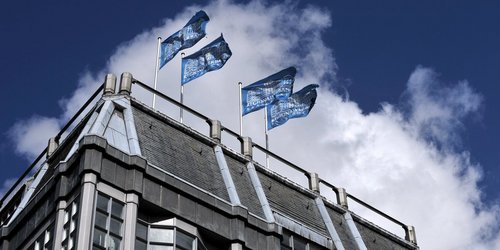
(246, 191)
(179, 153)
(374, 237)
(189, 155)
(293, 203)
(340, 224)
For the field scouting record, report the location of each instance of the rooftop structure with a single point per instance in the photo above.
(129, 177)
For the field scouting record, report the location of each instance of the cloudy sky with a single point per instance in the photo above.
(405, 117)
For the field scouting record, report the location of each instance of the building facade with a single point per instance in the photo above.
(129, 177)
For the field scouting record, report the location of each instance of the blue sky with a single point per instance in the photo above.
(376, 48)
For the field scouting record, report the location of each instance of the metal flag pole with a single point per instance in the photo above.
(157, 66)
(182, 92)
(241, 111)
(267, 136)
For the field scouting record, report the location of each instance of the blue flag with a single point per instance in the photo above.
(261, 93)
(297, 105)
(185, 38)
(209, 58)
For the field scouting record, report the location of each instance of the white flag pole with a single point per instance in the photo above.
(182, 91)
(267, 136)
(157, 66)
(241, 111)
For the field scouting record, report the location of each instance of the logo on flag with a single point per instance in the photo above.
(209, 58)
(299, 104)
(263, 92)
(185, 38)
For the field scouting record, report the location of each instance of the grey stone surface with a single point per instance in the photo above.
(226, 176)
(179, 153)
(375, 240)
(329, 224)
(244, 186)
(31, 219)
(178, 176)
(292, 203)
(116, 133)
(259, 191)
(341, 226)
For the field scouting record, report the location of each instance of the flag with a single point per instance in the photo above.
(209, 58)
(185, 38)
(263, 92)
(297, 105)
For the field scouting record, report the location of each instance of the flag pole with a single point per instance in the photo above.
(267, 136)
(182, 101)
(157, 66)
(182, 92)
(241, 111)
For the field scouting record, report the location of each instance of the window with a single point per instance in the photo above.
(163, 237)
(294, 242)
(44, 241)
(108, 223)
(184, 241)
(70, 226)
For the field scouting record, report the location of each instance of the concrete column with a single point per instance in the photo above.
(226, 176)
(215, 130)
(131, 206)
(246, 147)
(342, 198)
(236, 246)
(52, 146)
(314, 182)
(411, 236)
(126, 84)
(87, 199)
(109, 84)
(4, 243)
(254, 178)
(330, 227)
(59, 224)
(354, 231)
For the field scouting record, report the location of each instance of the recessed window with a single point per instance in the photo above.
(70, 226)
(294, 242)
(45, 241)
(163, 237)
(108, 223)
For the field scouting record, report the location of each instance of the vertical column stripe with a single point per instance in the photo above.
(254, 178)
(354, 231)
(226, 176)
(329, 224)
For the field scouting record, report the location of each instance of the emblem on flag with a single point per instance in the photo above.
(209, 58)
(263, 92)
(185, 38)
(299, 104)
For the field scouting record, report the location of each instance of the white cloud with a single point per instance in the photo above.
(402, 159)
(31, 136)
(437, 111)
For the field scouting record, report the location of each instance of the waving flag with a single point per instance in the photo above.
(209, 58)
(261, 93)
(185, 38)
(297, 105)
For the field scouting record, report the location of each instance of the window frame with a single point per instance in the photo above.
(166, 225)
(109, 214)
(293, 238)
(70, 224)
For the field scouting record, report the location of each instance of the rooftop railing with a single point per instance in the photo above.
(246, 149)
(215, 132)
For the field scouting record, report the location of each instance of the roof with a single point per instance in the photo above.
(205, 163)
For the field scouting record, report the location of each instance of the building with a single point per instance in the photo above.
(129, 177)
